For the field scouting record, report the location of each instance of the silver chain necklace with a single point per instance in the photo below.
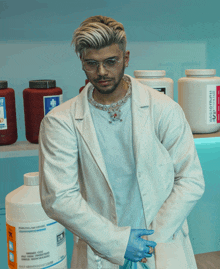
(113, 109)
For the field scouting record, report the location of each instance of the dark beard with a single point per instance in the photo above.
(115, 86)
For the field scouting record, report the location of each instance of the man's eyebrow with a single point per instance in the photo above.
(104, 60)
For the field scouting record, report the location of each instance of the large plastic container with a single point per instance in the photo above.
(199, 97)
(33, 239)
(8, 124)
(156, 79)
(41, 97)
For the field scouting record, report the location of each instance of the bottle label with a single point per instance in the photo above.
(52, 101)
(35, 245)
(213, 104)
(161, 89)
(3, 116)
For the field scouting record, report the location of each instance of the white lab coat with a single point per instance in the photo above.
(76, 192)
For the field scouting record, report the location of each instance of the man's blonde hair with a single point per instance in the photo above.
(98, 32)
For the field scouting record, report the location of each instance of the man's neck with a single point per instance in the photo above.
(108, 99)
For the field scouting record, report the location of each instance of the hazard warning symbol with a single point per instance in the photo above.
(11, 246)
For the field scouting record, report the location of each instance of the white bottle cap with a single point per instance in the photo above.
(149, 73)
(200, 72)
(31, 179)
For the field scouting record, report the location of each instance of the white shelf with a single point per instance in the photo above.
(27, 149)
(19, 149)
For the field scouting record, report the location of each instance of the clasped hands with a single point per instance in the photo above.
(138, 249)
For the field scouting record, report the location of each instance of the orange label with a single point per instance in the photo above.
(11, 246)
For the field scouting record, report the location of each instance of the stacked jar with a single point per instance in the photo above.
(156, 79)
(199, 97)
(41, 97)
(8, 124)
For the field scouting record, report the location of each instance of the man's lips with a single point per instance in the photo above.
(104, 82)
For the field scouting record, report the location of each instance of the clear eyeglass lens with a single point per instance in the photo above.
(108, 64)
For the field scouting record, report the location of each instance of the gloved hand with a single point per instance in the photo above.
(137, 247)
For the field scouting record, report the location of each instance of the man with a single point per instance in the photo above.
(118, 165)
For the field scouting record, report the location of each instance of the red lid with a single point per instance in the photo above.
(42, 84)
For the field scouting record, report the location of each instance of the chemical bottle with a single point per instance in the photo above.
(156, 79)
(41, 97)
(33, 239)
(199, 97)
(8, 124)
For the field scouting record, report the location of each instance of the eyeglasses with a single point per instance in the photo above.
(108, 64)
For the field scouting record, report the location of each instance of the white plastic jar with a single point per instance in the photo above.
(156, 80)
(199, 97)
(33, 239)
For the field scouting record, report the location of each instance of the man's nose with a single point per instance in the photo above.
(101, 69)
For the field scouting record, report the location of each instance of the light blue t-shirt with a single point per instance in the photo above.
(116, 144)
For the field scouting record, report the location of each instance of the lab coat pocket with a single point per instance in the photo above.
(170, 255)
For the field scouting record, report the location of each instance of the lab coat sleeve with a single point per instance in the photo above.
(60, 191)
(176, 136)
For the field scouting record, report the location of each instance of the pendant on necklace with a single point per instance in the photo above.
(115, 115)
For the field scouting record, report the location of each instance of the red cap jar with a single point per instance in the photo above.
(8, 124)
(41, 97)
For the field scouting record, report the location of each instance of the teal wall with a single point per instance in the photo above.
(35, 39)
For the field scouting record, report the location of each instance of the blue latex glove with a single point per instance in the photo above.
(133, 265)
(137, 247)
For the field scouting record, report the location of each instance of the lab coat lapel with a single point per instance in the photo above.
(143, 142)
(140, 117)
(85, 126)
